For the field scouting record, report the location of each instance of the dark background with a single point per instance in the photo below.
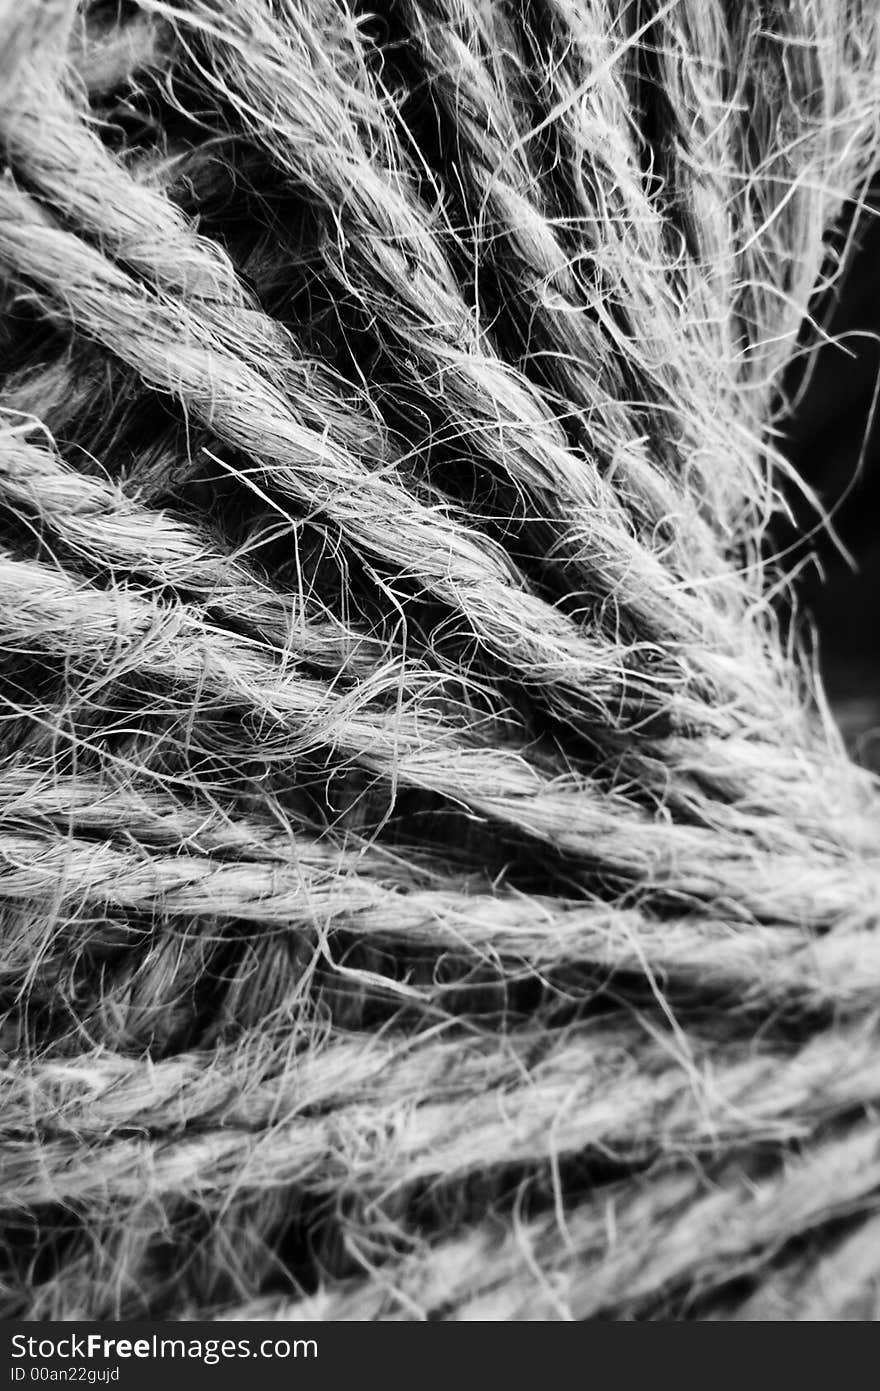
(833, 440)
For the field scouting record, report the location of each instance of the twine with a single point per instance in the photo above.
(432, 884)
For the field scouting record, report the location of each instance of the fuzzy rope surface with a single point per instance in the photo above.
(431, 882)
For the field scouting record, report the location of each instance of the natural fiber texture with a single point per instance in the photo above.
(431, 883)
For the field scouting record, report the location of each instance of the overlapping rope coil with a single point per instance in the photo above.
(431, 884)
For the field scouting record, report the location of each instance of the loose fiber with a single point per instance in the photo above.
(432, 884)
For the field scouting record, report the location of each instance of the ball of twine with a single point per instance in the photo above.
(431, 882)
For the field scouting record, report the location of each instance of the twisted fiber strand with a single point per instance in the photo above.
(184, 250)
(116, 529)
(169, 348)
(702, 409)
(669, 865)
(100, 873)
(236, 1019)
(375, 239)
(387, 1144)
(621, 1254)
(122, 630)
(146, 234)
(391, 252)
(98, 523)
(116, 630)
(377, 223)
(96, 520)
(543, 261)
(759, 965)
(812, 127)
(596, 1088)
(835, 1178)
(187, 818)
(572, 280)
(756, 963)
